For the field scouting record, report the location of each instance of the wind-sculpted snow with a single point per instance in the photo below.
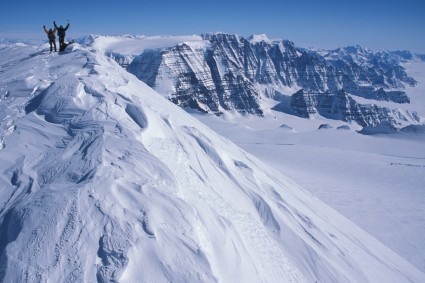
(137, 115)
(104, 180)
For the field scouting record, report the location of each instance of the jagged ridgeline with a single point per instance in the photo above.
(230, 72)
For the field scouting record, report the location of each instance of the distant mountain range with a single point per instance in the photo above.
(231, 73)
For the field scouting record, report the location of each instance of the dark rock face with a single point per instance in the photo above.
(343, 127)
(341, 106)
(195, 77)
(325, 126)
(230, 72)
(123, 60)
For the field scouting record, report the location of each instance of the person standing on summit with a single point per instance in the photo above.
(51, 34)
(61, 34)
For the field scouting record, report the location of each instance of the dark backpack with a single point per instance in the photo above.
(61, 32)
(51, 35)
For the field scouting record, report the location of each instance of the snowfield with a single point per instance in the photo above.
(102, 179)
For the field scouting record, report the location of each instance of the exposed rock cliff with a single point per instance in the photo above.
(196, 77)
(229, 72)
(341, 106)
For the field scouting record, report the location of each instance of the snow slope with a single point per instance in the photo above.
(375, 181)
(102, 179)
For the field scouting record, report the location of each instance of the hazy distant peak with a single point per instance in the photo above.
(259, 38)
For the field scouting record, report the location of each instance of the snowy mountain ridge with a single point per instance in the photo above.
(105, 180)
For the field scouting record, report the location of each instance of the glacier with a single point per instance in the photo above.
(103, 179)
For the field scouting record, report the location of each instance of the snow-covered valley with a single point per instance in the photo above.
(103, 179)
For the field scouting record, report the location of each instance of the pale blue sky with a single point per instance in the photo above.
(389, 24)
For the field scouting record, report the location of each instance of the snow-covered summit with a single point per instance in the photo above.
(259, 38)
(353, 49)
(102, 179)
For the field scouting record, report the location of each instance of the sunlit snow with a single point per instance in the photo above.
(103, 179)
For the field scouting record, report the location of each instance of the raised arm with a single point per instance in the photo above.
(45, 30)
(67, 26)
(54, 24)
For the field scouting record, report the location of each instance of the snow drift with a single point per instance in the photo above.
(102, 179)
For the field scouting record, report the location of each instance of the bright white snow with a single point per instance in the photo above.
(135, 45)
(376, 181)
(104, 179)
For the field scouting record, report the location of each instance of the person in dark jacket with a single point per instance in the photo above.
(61, 34)
(51, 34)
